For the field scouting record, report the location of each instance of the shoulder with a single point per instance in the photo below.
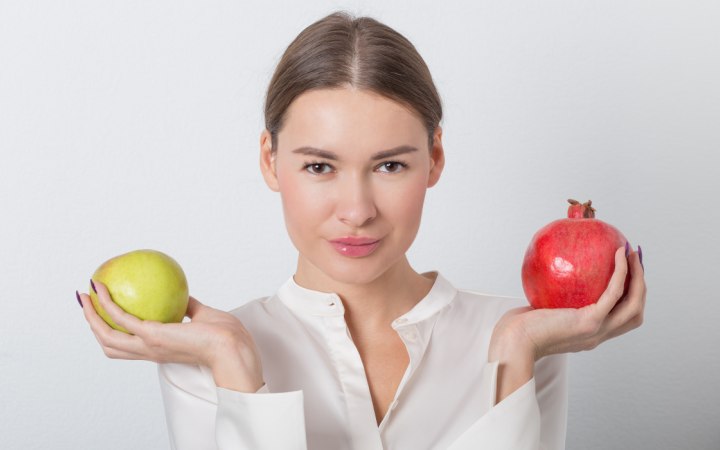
(486, 304)
(253, 306)
(263, 316)
(457, 299)
(472, 313)
(257, 310)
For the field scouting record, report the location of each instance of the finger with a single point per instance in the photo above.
(98, 326)
(114, 353)
(630, 325)
(107, 336)
(149, 345)
(616, 286)
(633, 306)
(194, 307)
(117, 314)
(637, 271)
(628, 314)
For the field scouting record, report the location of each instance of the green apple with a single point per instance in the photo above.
(145, 283)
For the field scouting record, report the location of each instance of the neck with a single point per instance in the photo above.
(372, 304)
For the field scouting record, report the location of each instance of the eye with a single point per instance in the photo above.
(392, 166)
(317, 168)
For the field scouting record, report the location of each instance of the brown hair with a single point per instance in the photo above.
(340, 50)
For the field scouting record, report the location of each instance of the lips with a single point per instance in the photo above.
(355, 247)
(353, 240)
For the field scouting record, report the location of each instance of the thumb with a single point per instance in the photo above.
(194, 307)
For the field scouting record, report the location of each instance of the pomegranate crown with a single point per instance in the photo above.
(578, 210)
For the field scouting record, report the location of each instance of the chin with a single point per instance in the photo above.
(357, 271)
(356, 277)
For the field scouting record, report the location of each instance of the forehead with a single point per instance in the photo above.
(349, 120)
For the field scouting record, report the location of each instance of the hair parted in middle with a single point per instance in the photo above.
(341, 51)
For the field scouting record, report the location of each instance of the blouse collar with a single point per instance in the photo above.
(317, 303)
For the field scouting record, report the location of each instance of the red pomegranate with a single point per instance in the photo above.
(569, 262)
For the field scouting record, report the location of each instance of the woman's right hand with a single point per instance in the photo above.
(212, 338)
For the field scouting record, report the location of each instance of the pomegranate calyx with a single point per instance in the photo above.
(579, 210)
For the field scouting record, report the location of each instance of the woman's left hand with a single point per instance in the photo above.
(524, 335)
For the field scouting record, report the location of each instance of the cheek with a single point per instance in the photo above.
(301, 204)
(405, 205)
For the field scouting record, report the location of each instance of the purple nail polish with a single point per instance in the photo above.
(627, 249)
(640, 255)
(93, 285)
(78, 298)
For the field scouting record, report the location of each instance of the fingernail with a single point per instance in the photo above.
(640, 255)
(78, 297)
(93, 285)
(627, 249)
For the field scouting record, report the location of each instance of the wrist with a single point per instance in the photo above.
(509, 341)
(236, 367)
(516, 362)
(235, 377)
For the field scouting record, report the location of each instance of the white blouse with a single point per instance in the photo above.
(317, 397)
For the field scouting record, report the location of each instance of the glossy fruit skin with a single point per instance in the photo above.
(145, 283)
(569, 263)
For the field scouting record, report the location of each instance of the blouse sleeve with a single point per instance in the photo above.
(534, 417)
(202, 416)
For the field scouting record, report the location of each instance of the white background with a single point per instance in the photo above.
(135, 124)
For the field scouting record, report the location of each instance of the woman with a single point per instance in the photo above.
(357, 350)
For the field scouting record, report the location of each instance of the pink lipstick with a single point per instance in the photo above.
(355, 247)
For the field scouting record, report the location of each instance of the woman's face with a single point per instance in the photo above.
(351, 163)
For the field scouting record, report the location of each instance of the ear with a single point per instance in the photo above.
(267, 161)
(437, 158)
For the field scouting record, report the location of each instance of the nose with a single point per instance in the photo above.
(355, 206)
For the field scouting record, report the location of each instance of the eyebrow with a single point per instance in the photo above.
(333, 157)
